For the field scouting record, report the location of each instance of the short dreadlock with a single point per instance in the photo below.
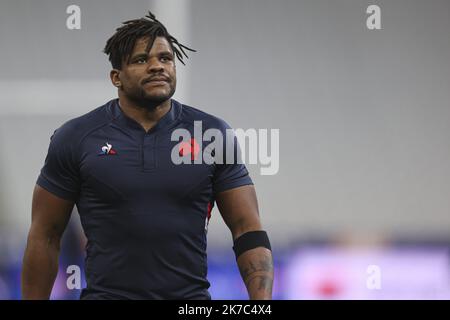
(120, 46)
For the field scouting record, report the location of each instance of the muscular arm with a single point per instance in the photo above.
(50, 215)
(239, 209)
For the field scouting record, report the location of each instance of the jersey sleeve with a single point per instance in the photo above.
(60, 173)
(232, 173)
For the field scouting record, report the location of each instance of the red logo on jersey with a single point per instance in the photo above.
(191, 148)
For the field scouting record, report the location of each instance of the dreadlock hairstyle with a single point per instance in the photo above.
(120, 46)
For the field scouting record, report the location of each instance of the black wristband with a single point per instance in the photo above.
(251, 240)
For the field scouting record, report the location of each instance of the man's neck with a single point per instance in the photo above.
(146, 117)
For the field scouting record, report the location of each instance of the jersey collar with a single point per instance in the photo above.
(121, 119)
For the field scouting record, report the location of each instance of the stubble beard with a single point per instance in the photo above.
(143, 99)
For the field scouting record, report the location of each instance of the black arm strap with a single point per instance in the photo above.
(251, 240)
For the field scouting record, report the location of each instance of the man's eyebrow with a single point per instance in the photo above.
(146, 55)
(139, 55)
(166, 52)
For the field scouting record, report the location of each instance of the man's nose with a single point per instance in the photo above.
(155, 65)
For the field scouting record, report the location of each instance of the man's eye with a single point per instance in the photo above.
(165, 59)
(141, 60)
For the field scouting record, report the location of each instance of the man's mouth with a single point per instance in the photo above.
(156, 80)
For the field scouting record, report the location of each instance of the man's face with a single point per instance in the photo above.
(149, 78)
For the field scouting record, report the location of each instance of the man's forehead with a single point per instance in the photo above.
(160, 44)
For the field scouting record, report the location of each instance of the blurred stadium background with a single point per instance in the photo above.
(364, 119)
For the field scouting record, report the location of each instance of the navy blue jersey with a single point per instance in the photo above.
(145, 217)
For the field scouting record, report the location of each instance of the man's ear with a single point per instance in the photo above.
(115, 78)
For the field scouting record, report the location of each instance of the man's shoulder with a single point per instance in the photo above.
(191, 114)
(76, 128)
